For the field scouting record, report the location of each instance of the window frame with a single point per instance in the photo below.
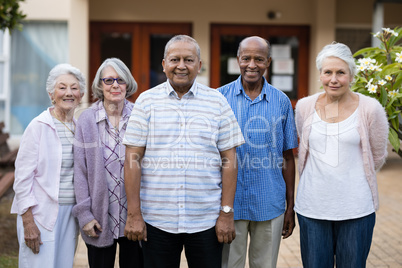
(5, 95)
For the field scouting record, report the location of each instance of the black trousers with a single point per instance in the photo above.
(163, 249)
(130, 255)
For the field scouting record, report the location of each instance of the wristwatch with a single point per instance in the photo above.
(227, 209)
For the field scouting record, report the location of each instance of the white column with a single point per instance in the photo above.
(322, 33)
(78, 36)
(378, 22)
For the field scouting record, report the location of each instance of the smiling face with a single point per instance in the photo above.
(253, 60)
(66, 95)
(181, 65)
(335, 77)
(114, 93)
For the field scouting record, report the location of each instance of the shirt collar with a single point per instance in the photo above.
(264, 91)
(101, 112)
(170, 90)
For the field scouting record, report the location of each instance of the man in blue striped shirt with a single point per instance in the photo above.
(180, 167)
(264, 199)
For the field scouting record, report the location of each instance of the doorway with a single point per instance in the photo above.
(139, 45)
(289, 51)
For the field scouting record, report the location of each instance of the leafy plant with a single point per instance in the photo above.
(10, 15)
(380, 76)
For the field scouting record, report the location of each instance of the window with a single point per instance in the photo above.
(35, 51)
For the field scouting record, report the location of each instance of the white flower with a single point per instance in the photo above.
(361, 68)
(388, 77)
(366, 61)
(372, 67)
(399, 57)
(382, 82)
(372, 89)
(377, 34)
(388, 30)
(393, 93)
(369, 83)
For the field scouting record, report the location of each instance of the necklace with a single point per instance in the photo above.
(55, 116)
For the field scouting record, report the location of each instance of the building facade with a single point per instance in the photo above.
(85, 32)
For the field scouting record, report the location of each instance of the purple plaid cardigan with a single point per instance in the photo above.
(90, 183)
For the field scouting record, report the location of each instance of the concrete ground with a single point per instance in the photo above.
(386, 249)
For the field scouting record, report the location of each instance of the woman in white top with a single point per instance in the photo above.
(343, 139)
(44, 172)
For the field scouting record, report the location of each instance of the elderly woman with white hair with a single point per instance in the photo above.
(99, 168)
(343, 141)
(44, 173)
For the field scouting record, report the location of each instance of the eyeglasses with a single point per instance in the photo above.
(109, 81)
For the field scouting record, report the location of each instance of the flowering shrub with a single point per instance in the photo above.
(380, 76)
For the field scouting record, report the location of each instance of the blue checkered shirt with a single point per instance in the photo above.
(268, 126)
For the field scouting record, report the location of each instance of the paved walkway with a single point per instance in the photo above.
(386, 249)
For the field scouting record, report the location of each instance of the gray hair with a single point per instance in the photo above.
(182, 38)
(248, 38)
(123, 72)
(62, 69)
(337, 50)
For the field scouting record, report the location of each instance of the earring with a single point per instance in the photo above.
(53, 102)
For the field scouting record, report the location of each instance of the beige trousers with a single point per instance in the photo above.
(265, 239)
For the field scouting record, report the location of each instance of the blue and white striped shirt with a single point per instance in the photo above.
(181, 182)
(66, 186)
(268, 126)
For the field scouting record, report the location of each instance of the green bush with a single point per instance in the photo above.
(380, 76)
(10, 15)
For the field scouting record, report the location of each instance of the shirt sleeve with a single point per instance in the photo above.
(25, 169)
(378, 135)
(82, 210)
(289, 128)
(137, 127)
(229, 130)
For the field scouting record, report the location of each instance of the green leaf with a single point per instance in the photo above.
(366, 50)
(390, 69)
(393, 139)
(395, 122)
(398, 80)
(384, 97)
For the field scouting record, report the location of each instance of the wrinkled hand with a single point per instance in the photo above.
(31, 233)
(225, 228)
(288, 223)
(92, 228)
(135, 228)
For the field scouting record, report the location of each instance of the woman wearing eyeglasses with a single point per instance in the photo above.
(99, 155)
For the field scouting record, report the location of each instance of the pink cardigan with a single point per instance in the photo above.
(372, 127)
(37, 171)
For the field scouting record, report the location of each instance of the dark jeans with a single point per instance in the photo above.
(163, 249)
(348, 240)
(130, 255)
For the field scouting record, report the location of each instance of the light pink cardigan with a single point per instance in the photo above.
(37, 171)
(372, 127)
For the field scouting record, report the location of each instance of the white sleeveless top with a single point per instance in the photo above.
(333, 185)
